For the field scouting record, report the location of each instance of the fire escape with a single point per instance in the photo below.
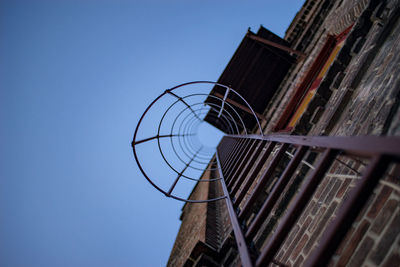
(255, 170)
(274, 186)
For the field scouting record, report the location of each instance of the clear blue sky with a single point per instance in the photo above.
(75, 77)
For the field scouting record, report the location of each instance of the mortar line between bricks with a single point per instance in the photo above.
(308, 232)
(356, 177)
(380, 236)
(334, 175)
(373, 235)
(343, 176)
(391, 185)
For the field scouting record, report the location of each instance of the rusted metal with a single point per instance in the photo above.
(265, 177)
(240, 241)
(250, 58)
(185, 144)
(247, 161)
(382, 150)
(274, 44)
(236, 153)
(184, 149)
(338, 228)
(226, 143)
(239, 162)
(225, 117)
(183, 101)
(240, 159)
(233, 143)
(244, 173)
(357, 145)
(276, 192)
(242, 107)
(242, 193)
(231, 157)
(296, 209)
(180, 174)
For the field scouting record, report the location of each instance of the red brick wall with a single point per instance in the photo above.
(363, 100)
(375, 236)
(366, 100)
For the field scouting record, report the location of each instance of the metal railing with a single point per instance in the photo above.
(240, 159)
(175, 116)
(248, 164)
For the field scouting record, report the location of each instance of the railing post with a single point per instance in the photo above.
(233, 155)
(286, 224)
(276, 192)
(266, 176)
(250, 180)
(246, 170)
(240, 241)
(243, 161)
(238, 160)
(338, 228)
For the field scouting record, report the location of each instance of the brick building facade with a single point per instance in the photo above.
(347, 83)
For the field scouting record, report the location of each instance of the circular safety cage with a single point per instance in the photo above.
(175, 140)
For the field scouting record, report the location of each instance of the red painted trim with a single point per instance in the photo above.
(343, 35)
(309, 80)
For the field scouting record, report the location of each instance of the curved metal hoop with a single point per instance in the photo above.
(182, 135)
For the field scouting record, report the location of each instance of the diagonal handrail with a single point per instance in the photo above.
(380, 150)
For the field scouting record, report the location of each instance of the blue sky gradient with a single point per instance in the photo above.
(75, 76)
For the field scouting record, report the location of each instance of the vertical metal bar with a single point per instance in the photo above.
(274, 44)
(228, 150)
(338, 228)
(224, 145)
(180, 174)
(238, 159)
(231, 147)
(276, 192)
(243, 148)
(306, 192)
(234, 150)
(241, 161)
(242, 107)
(232, 154)
(256, 170)
(240, 241)
(266, 176)
(243, 173)
(223, 101)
